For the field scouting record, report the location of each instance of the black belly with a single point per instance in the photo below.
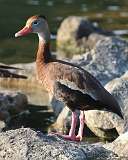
(75, 99)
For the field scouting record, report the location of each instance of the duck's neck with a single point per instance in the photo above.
(43, 54)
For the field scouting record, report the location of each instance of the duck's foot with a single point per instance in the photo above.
(71, 138)
(79, 137)
(68, 137)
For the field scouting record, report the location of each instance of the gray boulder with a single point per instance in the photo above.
(104, 124)
(119, 146)
(118, 87)
(107, 60)
(24, 143)
(11, 103)
(72, 36)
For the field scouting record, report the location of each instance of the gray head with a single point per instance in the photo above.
(36, 24)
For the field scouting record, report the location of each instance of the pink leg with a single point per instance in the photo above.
(71, 135)
(80, 132)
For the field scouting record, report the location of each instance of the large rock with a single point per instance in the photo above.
(119, 146)
(118, 87)
(25, 143)
(104, 124)
(72, 36)
(63, 121)
(107, 60)
(11, 103)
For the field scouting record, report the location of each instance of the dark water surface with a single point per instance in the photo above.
(109, 14)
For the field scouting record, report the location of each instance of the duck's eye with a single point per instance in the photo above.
(35, 22)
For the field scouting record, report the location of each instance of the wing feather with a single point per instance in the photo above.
(76, 78)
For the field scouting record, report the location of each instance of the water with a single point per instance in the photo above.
(108, 14)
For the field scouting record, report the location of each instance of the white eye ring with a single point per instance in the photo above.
(35, 22)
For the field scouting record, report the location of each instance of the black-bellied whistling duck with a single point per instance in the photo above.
(6, 73)
(70, 84)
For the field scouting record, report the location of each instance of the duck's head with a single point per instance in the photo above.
(36, 24)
